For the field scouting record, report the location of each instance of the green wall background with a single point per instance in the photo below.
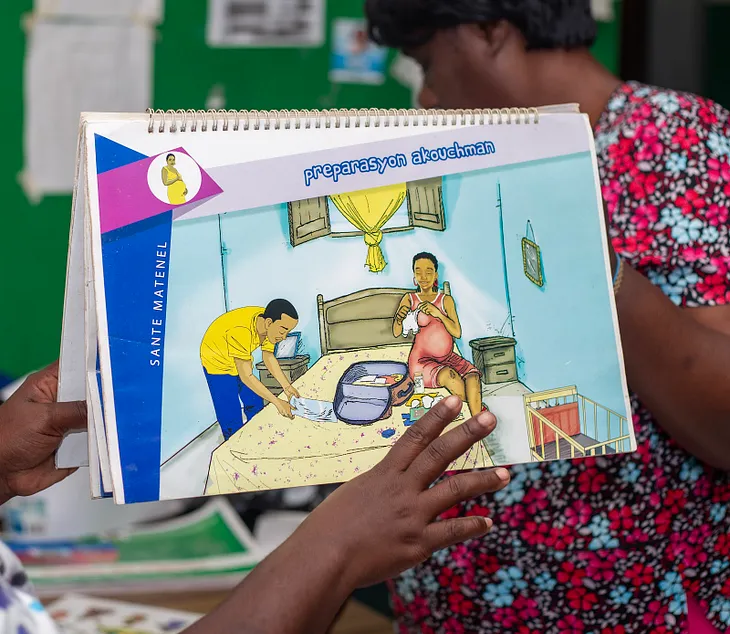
(34, 238)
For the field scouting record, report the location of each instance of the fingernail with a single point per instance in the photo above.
(502, 474)
(485, 419)
(452, 401)
(489, 524)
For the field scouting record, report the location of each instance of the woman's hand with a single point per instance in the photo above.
(32, 426)
(427, 308)
(370, 529)
(401, 314)
(383, 521)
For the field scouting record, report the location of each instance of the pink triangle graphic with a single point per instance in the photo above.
(125, 195)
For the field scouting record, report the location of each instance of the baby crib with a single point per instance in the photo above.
(562, 423)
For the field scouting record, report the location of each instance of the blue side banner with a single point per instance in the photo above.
(135, 260)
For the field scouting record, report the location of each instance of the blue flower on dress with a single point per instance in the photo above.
(617, 102)
(513, 577)
(721, 607)
(559, 468)
(710, 234)
(621, 595)
(499, 595)
(676, 163)
(671, 215)
(691, 470)
(442, 556)
(718, 143)
(545, 581)
(676, 283)
(687, 230)
(678, 604)
(671, 584)
(718, 512)
(606, 140)
(630, 472)
(719, 565)
(430, 583)
(642, 92)
(667, 102)
(600, 528)
(512, 493)
(407, 585)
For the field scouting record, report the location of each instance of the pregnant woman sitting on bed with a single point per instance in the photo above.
(433, 353)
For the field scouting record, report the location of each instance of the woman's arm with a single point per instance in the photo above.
(166, 179)
(400, 315)
(678, 363)
(450, 319)
(370, 529)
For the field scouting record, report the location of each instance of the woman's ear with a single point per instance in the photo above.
(496, 34)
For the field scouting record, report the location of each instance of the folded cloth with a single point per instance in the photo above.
(314, 410)
(410, 323)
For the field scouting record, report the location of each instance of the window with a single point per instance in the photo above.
(315, 217)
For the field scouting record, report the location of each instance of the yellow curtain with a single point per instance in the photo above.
(368, 211)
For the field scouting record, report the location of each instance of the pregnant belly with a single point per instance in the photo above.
(434, 340)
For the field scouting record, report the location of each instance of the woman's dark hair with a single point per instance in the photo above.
(425, 255)
(545, 24)
(168, 156)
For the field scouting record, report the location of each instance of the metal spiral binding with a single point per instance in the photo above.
(225, 120)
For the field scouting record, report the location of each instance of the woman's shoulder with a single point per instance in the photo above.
(644, 112)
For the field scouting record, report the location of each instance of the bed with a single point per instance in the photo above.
(272, 452)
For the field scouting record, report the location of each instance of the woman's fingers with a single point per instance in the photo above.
(420, 435)
(461, 487)
(440, 535)
(435, 459)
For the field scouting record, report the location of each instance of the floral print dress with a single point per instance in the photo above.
(613, 545)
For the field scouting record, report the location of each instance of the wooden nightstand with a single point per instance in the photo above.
(495, 358)
(292, 369)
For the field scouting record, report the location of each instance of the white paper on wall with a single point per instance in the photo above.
(270, 23)
(69, 69)
(95, 9)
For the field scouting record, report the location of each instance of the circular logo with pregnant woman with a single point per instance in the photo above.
(174, 178)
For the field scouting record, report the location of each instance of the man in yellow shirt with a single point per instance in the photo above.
(226, 353)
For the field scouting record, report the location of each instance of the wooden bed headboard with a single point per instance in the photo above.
(361, 320)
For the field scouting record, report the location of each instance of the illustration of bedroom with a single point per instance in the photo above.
(392, 299)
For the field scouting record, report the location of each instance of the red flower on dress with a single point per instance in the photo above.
(570, 575)
(571, 624)
(581, 599)
(591, 481)
(578, 514)
(449, 579)
(621, 519)
(685, 138)
(459, 604)
(723, 545)
(534, 533)
(506, 617)
(560, 538)
(640, 575)
(645, 215)
(655, 614)
(718, 170)
(691, 202)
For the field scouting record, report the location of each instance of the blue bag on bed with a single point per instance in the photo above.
(363, 404)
